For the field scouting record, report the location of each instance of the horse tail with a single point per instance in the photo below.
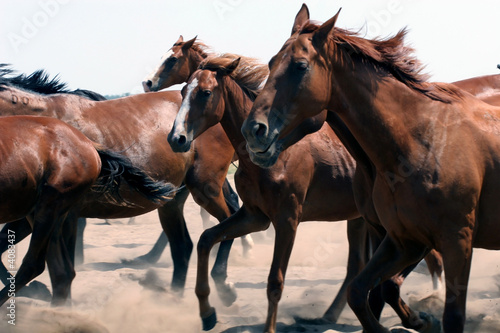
(116, 167)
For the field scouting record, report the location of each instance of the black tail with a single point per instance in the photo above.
(116, 167)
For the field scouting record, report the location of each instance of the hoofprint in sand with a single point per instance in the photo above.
(109, 296)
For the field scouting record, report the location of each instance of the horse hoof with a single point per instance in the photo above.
(209, 321)
(227, 293)
(432, 325)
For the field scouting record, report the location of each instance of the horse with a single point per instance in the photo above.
(136, 127)
(176, 66)
(221, 91)
(411, 132)
(47, 169)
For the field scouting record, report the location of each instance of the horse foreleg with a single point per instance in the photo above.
(181, 246)
(237, 225)
(285, 236)
(457, 257)
(82, 223)
(358, 241)
(60, 262)
(232, 203)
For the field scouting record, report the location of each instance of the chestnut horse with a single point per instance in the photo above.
(222, 92)
(47, 168)
(177, 66)
(136, 126)
(411, 132)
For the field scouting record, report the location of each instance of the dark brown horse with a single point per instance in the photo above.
(410, 132)
(136, 126)
(46, 171)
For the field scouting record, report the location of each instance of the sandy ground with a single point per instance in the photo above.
(108, 296)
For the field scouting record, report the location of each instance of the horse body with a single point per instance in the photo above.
(136, 126)
(46, 168)
(434, 149)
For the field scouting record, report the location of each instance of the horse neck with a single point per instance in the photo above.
(237, 106)
(351, 144)
(381, 124)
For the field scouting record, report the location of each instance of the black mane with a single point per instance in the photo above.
(41, 83)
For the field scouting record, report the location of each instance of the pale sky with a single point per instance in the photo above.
(110, 46)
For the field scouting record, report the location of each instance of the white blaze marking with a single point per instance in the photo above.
(163, 58)
(184, 109)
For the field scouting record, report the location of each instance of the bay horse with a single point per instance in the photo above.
(136, 127)
(411, 132)
(303, 177)
(176, 66)
(47, 168)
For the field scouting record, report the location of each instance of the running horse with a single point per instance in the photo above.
(306, 177)
(176, 66)
(411, 132)
(135, 126)
(47, 170)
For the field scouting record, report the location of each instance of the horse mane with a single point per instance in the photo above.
(388, 56)
(200, 48)
(249, 75)
(41, 83)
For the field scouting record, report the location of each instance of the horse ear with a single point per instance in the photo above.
(232, 66)
(180, 40)
(301, 17)
(325, 30)
(187, 45)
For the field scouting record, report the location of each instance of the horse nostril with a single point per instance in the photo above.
(149, 83)
(182, 140)
(259, 130)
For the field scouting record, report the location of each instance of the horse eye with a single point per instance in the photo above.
(172, 60)
(207, 93)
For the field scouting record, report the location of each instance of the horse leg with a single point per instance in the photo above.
(391, 294)
(388, 260)
(237, 225)
(232, 203)
(45, 224)
(60, 262)
(82, 223)
(358, 240)
(155, 253)
(214, 202)
(21, 229)
(285, 236)
(434, 262)
(457, 257)
(181, 246)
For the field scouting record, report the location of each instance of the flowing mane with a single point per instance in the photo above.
(41, 83)
(200, 48)
(388, 56)
(249, 75)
